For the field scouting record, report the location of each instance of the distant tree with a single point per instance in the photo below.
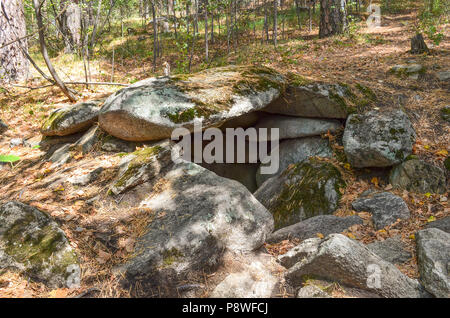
(72, 26)
(13, 61)
(333, 17)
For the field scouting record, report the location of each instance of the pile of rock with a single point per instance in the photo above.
(206, 212)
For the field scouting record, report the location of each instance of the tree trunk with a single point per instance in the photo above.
(266, 22)
(71, 27)
(155, 36)
(333, 17)
(13, 61)
(275, 22)
(297, 11)
(58, 81)
(418, 45)
(205, 7)
(96, 22)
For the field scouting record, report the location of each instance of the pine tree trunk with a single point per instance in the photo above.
(13, 62)
(205, 8)
(275, 22)
(333, 17)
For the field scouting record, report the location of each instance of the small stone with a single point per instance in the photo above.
(87, 142)
(86, 178)
(418, 176)
(297, 127)
(441, 224)
(256, 281)
(412, 70)
(392, 250)
(443, 76)
(323, 224)
(71, 119)
(60, 156)
(312, 291)
(15, 142)
(445, 113)
(385, 207)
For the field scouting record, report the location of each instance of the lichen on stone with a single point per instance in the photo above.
(210, 97)
(52, 122)
(171, 256)
(141, 157)
(305, 192)
(39, 245)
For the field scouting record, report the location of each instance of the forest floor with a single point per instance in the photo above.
(364, 58)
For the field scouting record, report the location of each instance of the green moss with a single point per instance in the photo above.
(38, 250)
(447, 163)
(297, 80)
(52, 122)
(171, 256)
(305, 190)
(342, 103)
(187, 115)
(239, 81)
(368, 93)
(142, 157)
(399, 155)
(411, 157)
(445, 110)
(445, 113)
(258, 79)
(403, 72)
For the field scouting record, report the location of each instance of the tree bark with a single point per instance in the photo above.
(71, 26)
(155, 35)
(333, 17)
(205, 8)
(14, 64)
(275, 22)
(418, 45)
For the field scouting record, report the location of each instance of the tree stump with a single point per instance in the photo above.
(418, 45)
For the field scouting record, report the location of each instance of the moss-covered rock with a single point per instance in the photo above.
(302, 191)
(408, 71)
(34, 244)
(72, 119)
(445, 113)
(418, 176)
(151, 109)
(307, 98)
(378, 138)
(294, 151)
(447, 163)
(141, 166)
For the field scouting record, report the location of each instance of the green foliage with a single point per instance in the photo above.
(9, 158)
(432, 14)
